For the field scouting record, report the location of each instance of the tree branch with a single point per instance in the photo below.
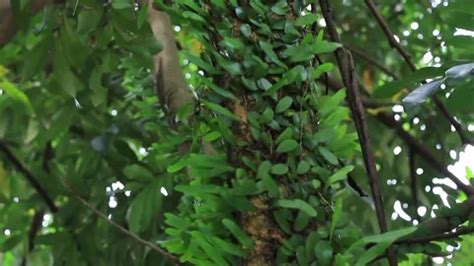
(414, 183)
(393, 43)
(124, 230)
(369, 59)
(423, 151)
(438, 228)
(348, 73)
(412, 142)
(389, 35)
(29, 176)
(34, 228)
(438, 237)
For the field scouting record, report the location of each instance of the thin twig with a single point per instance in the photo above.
(388, 33)
(371, 60)
(118, 226)
(348, 73)
(29, 176)
(394, 43)
(124, 230)
(423, 151)
(438, 237)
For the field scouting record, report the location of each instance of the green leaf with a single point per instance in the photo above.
(279, 169)
(340, 175)
(306, 20)
(302, 220)
(316, 183)
(246, 30)
(270, 185)
(325, 47)
(287, 146)
(228, 247)
(219, 109)
(280, 8)
(303, 167)
(460, 100)
(328, 155)
(286, 134)
(391, 88)
(212, 136)
(385, 239)
(16, 94)
(234, 68)
(372, 253)
(68, 81)
(297, 204)
(142, 16)
(95, 83)
(238, 233)
(88, 19)
(121, 4)
(218, 90)
(143, 208)
(287, 78)
(211, 251)
(267, 116)
(321, 69)
(264, 169)
(268, 49)
(176, 221)
(336, 216)
(460, 72)
(206, 166)
(390, 236)
(199, 190)
(325, 134)
(183, 162)
(201, 63)
(419, 95)
(137, 172)
(299, 53)
(329, 103)
(323, 252)
(283, 104)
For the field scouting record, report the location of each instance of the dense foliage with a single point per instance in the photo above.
(266, 165)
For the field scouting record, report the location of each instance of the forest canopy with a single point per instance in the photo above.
(236, 132)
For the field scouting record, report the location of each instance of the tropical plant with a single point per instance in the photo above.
(235, 132)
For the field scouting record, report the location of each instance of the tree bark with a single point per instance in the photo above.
(171, 85)
(7, 19)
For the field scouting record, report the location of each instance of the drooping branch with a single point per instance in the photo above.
(389, 35)
(29, 176)
(434, 229)
(423, 151)
(438, 237)
(371, 60)
(439, 228)
(349, 77)
(122, 229)
(412, 142)
(394, 43)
